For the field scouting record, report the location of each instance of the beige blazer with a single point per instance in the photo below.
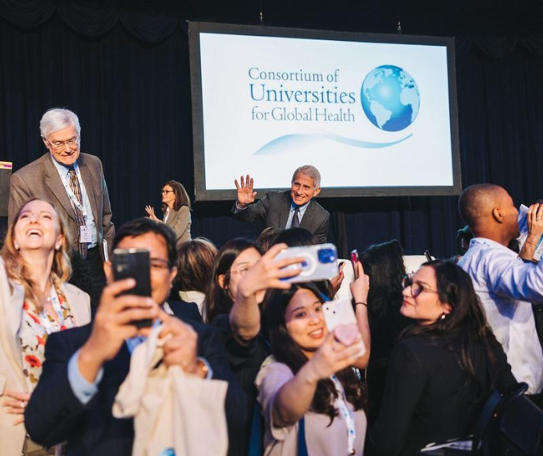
(180, 222)
(40, 179)
(11, 367)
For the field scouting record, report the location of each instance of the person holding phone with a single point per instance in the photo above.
(35, 302)
(85, 367)
(312, 400)
(438, 374)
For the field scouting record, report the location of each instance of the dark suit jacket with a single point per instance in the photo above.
(54, 414)
(274, 209)
(40, 179)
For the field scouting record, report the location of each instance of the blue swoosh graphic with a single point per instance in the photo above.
(278, 145)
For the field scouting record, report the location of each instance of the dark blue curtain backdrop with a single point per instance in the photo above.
(123, 67)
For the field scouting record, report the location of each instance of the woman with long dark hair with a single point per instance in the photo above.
(441, 371)
(175, 210)
(384, 264)
(310, 380)
(245, 347)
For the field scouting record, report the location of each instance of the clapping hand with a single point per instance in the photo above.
(151, 212)
(246, 195)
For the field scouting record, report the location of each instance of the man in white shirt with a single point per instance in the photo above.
(504, 283)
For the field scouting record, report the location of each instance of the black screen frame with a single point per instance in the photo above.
(203, 194)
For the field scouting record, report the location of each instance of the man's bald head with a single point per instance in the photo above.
(489, 212)
(477, 202)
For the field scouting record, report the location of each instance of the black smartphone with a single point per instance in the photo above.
(134, 264)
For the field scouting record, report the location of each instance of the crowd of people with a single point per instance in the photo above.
(427, 349)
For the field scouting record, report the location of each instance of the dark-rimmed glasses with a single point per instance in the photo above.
(416, 287)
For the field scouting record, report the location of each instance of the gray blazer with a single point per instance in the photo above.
(274, 209)
(11, 365)
(180, 221)
(40, 179)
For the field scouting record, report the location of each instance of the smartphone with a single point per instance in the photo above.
(354, 260)
(134, 264)
(341, 321)
(320, 262)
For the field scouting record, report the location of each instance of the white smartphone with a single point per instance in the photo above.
(320, 262)
(341, 320)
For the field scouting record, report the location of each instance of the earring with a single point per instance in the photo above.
(16, 246)
(57, 247)
(443, 316)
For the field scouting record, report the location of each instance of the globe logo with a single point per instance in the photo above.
(390, 98)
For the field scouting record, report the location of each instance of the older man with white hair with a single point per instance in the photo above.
(290, 209)
(74, 183)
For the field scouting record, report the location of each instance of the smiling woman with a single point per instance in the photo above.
(438, 374)
(36, 301)
(309, 380)
(176, 210)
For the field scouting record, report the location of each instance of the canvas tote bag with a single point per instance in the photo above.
(174, 413)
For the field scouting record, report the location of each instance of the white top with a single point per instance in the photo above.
(506, 287)
(322, 438)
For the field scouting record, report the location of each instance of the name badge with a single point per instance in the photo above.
(85, 235)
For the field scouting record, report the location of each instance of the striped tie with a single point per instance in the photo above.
(79, 217)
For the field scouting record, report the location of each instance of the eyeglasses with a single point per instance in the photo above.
(416, 287)
(72, 143)
(159, 264)
(241, 271)
(167, 191)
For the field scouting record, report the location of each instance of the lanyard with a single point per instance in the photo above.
(71, 194)
(341, 402)
(46, 322)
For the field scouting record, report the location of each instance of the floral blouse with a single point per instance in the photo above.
(35, 328)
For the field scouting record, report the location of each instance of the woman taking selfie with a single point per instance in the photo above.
(35, 301)
(438, 375)
(312, 399)
(175, 209)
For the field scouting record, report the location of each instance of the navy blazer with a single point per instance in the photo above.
(54, 414)
(274, 209)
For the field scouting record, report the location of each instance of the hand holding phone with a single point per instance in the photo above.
(134, 264)
(341, 321)
(320, 262)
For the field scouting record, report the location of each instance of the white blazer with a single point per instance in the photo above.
(11, 366)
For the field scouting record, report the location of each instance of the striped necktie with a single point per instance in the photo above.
(79, 217)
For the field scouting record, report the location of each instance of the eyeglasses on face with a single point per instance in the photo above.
(72, 143)
(416, 287)
(241, 270)
(159, 264)
(167, 191)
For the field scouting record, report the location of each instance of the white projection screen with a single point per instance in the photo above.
(376, 114)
